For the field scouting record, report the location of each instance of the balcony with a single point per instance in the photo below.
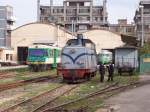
(83, 22)
(11, 18)
(10, 27)
(84, 11)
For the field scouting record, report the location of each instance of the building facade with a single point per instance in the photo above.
(81, 13)
(25, 36)
(122, 27)
(142, 20)
(6, 22)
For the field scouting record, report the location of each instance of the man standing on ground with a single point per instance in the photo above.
(111, 72)
(102, 72)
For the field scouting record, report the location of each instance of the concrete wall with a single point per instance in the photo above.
(3, 53)
(104, 39)
(26, 35)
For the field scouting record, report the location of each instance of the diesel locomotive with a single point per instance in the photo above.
(43, 57)
(78, 59)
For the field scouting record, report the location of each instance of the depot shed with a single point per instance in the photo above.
(26, 35)
(104, 39)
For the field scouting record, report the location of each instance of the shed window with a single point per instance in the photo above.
(11, 57)
(7, 57)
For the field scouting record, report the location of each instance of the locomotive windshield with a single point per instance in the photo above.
(38, 52)
(73, 43)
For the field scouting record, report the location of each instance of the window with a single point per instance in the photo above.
(87, 4)
(54, 10)
(60, 10)
(7, 57)
(43, 11)
(129, 29)
(38, 52)
(62, 18)
(11, 57)
(59, 53)
(52, 53)
(2, 23)
(2, 34)
(2, 14)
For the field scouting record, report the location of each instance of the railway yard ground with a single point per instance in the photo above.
(25, 91)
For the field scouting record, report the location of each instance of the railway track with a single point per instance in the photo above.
(112, 88)
(44, 98)
(4, 87)
(6, 75)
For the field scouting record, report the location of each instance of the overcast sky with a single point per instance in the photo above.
(25, 10)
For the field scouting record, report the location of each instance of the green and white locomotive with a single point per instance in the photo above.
(105, 57)
(43, 57)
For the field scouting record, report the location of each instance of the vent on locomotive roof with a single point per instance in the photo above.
(80, 39)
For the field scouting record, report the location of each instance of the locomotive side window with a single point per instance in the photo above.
(88, 45)
(52, 53)
(59, 53)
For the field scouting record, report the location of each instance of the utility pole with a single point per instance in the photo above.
(73, 28)
(51, 7)
(104, 11)
(38, 10)
(142, 26)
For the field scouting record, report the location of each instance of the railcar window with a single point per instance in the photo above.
(59, 53)
(38, 52)
(52, 53)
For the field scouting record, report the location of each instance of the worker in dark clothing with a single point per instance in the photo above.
(102, 72)
(111, 72)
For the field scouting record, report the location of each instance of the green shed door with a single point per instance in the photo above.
(145, 64)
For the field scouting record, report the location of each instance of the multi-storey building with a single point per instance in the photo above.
(142, 20)
(82, 13)
(6, 22)
(123, 27)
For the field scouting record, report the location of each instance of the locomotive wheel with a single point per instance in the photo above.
(31, 68)
(36, 68)
(88, 77)
(43, 67)
(73, 79)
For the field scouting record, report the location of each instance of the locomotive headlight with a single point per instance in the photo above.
(80, 62)
(72, 51)
(66, 63)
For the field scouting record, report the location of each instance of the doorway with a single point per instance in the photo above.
(22, 53)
